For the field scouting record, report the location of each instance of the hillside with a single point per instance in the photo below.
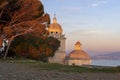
(110, 56)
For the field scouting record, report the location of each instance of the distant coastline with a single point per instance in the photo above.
(110, 56)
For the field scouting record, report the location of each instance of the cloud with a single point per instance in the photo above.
(71, 8)
(99, 3)
(87, 32)
(94, 4)
(104, 1)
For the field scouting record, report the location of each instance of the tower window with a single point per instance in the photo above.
(73, 64)
(51, 32)
(56, 32)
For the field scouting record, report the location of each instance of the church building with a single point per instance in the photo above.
(76, 57)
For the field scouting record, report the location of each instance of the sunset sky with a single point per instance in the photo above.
(95, 23)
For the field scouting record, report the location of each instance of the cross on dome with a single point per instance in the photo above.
(54, 15)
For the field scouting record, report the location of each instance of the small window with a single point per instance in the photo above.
(56, 32)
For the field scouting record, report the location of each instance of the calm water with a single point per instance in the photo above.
(106, 62)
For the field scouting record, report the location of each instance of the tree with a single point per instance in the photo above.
(49, 47)
(19, 17)
(33, 47)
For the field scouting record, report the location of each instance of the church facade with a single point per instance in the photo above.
(76, 57)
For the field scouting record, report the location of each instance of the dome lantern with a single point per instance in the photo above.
(78, 46)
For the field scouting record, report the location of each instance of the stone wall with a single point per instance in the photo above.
(59, 58)
(78, 62)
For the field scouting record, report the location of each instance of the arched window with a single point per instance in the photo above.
(73, 64)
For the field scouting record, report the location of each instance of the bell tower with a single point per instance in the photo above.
(55, 30)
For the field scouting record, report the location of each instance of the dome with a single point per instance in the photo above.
(79, 54)
(55, 27)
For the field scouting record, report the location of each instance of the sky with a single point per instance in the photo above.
(95, 23)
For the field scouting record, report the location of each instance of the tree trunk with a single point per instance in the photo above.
(6, 52)
(11, 39)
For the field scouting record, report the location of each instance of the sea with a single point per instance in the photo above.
(111, 63)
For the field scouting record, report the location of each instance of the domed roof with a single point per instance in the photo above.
(55, 27)
(79, 54)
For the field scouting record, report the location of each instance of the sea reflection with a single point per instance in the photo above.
(106, 62)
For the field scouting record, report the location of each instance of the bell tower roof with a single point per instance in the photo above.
(55, 27)
(54, 19)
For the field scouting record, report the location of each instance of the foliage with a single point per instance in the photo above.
(35, 47)
(1, 40)
(19, 17)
